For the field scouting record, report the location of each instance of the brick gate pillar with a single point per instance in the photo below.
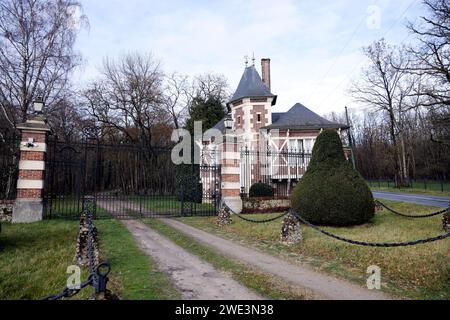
(230, 172)
(28, 206)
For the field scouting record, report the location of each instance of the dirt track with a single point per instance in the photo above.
(197, 279)
(321, 284)
(194, 278)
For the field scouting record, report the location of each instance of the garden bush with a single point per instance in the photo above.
(331, 192)
(261, 190)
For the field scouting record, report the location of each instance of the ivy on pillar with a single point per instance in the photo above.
(230, 169)
(29, 206)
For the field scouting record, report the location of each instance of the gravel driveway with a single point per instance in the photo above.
(319, 283)
(194, 278)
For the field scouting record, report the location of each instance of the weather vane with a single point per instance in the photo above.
(246, 60)
(253, 58)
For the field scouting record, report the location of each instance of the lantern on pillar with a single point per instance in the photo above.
(228, 121)
(38, 105)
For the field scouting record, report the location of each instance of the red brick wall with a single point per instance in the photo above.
(231, 193)
(29, 193)
(254, 119)
(231, 178)
(311, 133)
(37, 137)
(31, 174)
(32, 155)
(25, 174)
(252, 100)
(239, 113)
(230, 162)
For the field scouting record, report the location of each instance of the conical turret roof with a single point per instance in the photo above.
(251, 86)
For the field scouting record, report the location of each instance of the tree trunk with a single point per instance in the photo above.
(404, 180)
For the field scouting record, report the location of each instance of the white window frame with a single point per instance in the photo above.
(313, 138)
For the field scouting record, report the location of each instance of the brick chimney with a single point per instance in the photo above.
(265, 67)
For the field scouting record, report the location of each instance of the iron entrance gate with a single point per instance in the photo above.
(126, 181)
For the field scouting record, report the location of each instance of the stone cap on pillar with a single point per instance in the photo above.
(35, 124)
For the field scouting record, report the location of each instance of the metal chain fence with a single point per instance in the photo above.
(260, 221)
(369, 244)
(98, 274)
(412, 215)
(350, 241)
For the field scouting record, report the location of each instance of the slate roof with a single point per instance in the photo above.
(300, 117)
(220, 125)
(251, 86)
(276, 116)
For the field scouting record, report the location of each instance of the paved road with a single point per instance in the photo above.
(442, 202)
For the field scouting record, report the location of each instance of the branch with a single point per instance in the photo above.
(444, 143)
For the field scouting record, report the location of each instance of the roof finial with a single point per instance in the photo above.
(246, 60)
(253, 58)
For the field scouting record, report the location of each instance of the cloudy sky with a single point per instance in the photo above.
(314, 45)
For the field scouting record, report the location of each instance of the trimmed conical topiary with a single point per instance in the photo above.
(331, 192)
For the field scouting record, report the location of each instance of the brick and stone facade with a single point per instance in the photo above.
(28, 206)
(249, 116)
(230, 172)
(259, 129)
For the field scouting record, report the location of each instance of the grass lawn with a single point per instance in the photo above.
(69, 208)
(34, 258)
(418, 272)
(63, 207)
(166, 203)
(265, 284)
(162, 205)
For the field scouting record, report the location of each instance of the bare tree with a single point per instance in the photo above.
(36, 58)
(176, 97)
(128, 97)
(386, 86)
(67, 120)
(211, 86)
(432, 57)
(36, 53)
(180, 91)
(373, 146)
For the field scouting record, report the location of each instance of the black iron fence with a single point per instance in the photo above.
(125, 181)
(428, 184)
(280, 169)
